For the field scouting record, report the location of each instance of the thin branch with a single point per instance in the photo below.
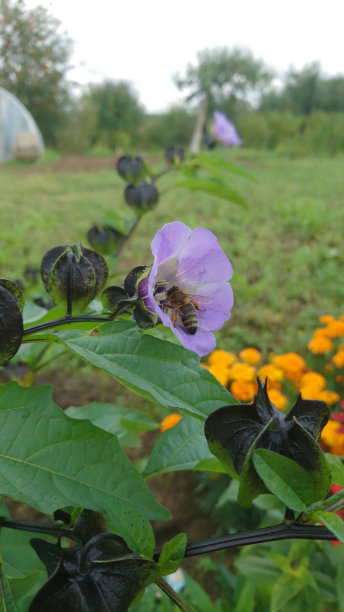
(171, 593)
(46, 528)
(65, 320)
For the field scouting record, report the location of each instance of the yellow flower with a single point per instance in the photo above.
(328, 396)
(326, 318)
(320, 344)
(251, 356)
(338, 359)
(277, 398)
(170, 421)
(333, 438)
(309, 392)
(291, 364)
(221, 373)
(273, 374)
(242, 371)
(314, 380)
(222, 358)
(334, 329)
(243, 390)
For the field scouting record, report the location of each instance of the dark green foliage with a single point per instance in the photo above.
(117, 111)
(34, 59)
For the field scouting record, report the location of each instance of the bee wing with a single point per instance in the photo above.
(201, 298)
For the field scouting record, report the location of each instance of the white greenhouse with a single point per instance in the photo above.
(19, 135)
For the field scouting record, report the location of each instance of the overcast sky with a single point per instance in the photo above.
(147, 41)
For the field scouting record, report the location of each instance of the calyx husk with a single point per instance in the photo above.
(73, 275)
(235, 431)
(99, 574)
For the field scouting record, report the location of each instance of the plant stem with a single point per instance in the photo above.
(46, 528)
(282, 531)
(166, 588)
(64, 321)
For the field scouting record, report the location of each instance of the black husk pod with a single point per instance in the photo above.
(234, 432)
(11, 320)
(73, 276)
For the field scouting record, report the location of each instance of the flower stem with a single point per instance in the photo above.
(46, 528)
(167, 589)
(64, 320)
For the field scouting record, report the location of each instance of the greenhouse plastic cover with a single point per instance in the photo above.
(15, 119)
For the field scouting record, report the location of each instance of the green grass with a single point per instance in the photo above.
(286, 249)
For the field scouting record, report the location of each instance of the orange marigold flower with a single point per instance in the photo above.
(222, 358)
(242, 371)
(309, 392)
(270, 372)
(326, 318)
(332, 437)
(320, 344)
(334, 329)
(277, 398)
(313, 379)
(170, 421)
(221, 374)
(328, 396)
(338, 359)
(251, 356)
(291, 364)
(243, 390)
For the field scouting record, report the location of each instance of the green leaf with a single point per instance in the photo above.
(337, 469)
(214, 163)
(337, 499)
(122, 422)
(158, 370)
(286, 587)
(172, 554)
(180, 448)
(332, 521)
(7, 603)
(290, 482)
(211, 187)
(133, 527)
(24, 587)
(49, 460)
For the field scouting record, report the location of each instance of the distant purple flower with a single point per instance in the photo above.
(225, 131)
(193, 262)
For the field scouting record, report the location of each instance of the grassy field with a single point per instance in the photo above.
(286, 249)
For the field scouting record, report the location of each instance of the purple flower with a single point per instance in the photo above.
(225, 131)
(189, 268)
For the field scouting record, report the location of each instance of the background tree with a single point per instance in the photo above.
(307, 91)
(33, 62)
(117, 111)
(223, 79)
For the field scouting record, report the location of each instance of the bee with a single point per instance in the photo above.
(183, 305)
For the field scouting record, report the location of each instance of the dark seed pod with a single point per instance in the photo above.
(174, 154)
(209, 142)
(31, 275)
(11, 320)
(73, 276)
(142, 198)
(131, 169)
(104, 239)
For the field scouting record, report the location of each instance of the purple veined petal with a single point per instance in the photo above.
(202, 260)
(224, 130)
(169, 240)
(202, 343)
(214, 316)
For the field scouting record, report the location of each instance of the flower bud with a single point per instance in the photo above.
(131, 169)
(143, 198)
(174, 154)
(104, 239)
(73, 276)
(11, 320)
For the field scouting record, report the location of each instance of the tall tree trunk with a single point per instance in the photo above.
(196, 139)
